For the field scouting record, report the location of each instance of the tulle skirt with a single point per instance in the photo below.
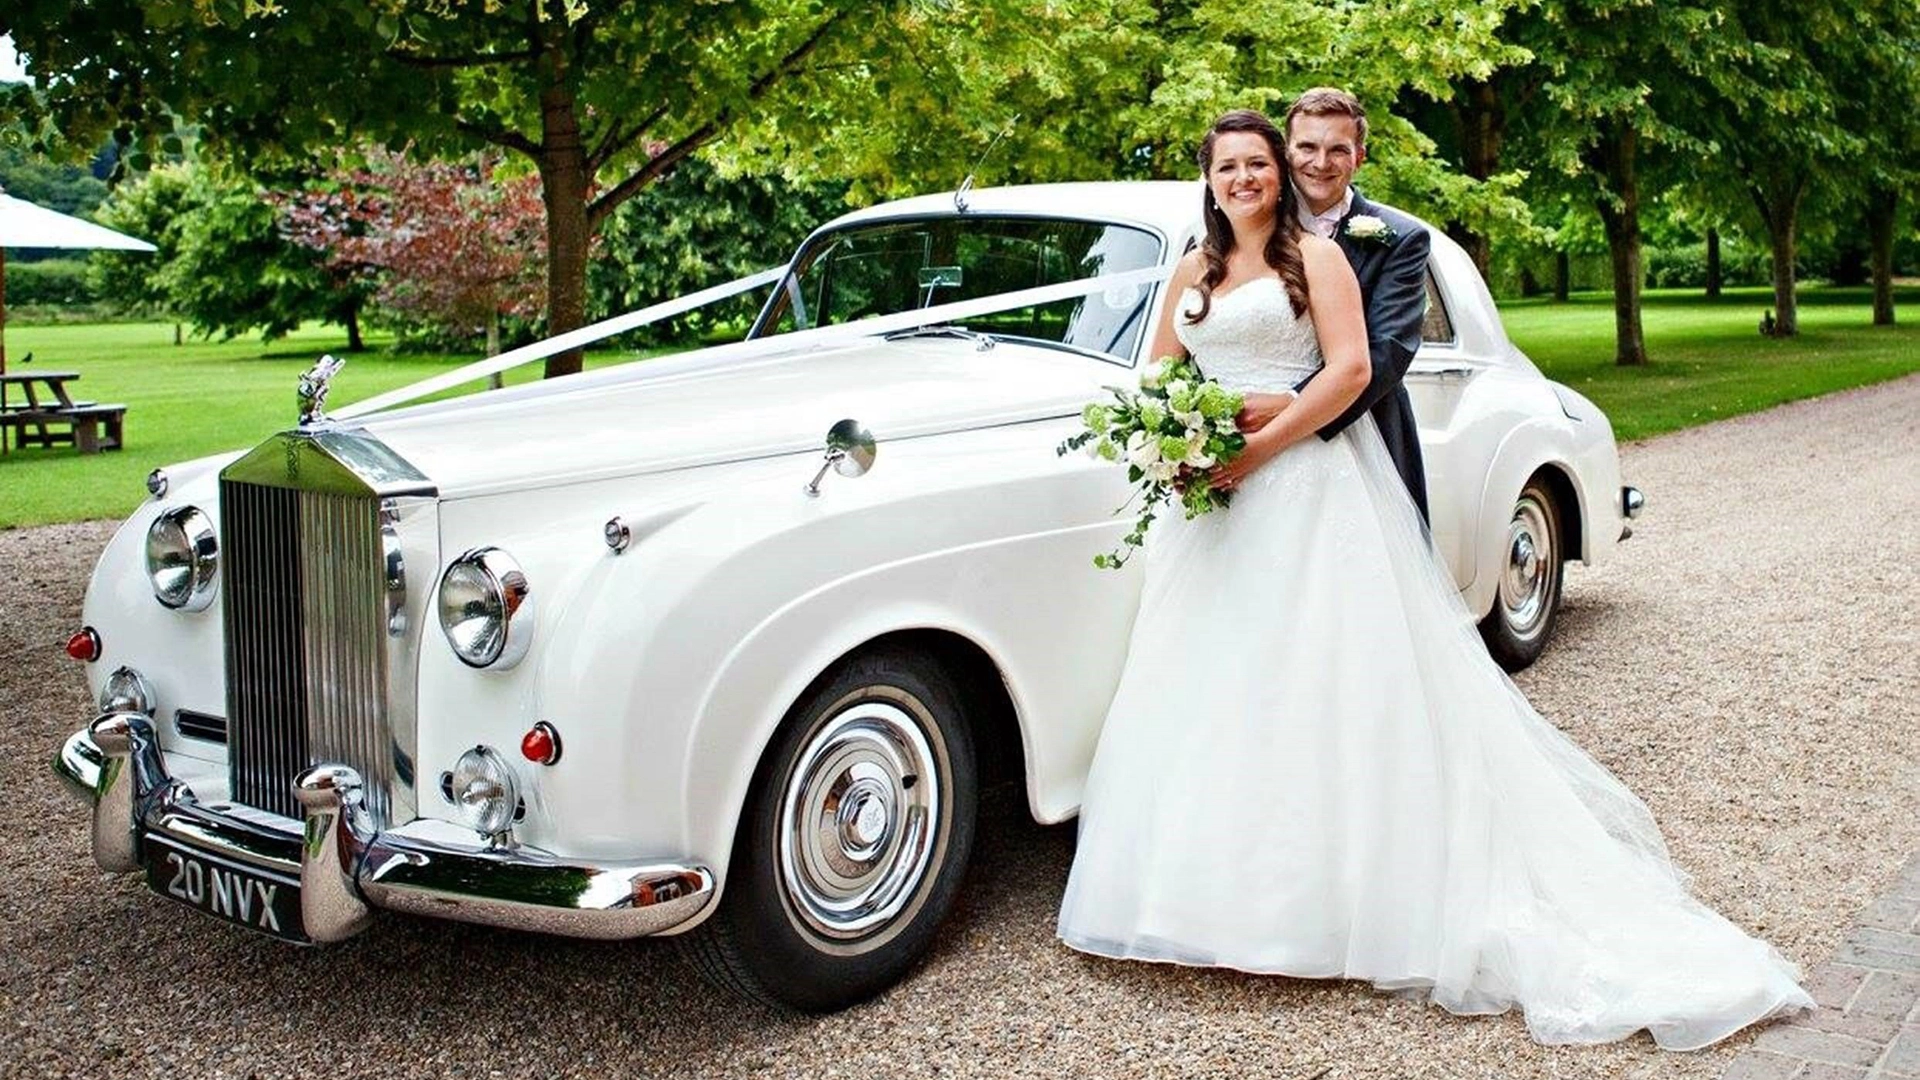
(1311, 767)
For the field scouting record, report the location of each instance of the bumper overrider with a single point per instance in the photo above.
(326, 879)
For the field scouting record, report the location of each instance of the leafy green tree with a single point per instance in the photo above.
(70, 189)
(1876, 101)
(1776, 130)
(602, 101)
(1626, 82)
(155, 208)
(700, 227)
(222, 262)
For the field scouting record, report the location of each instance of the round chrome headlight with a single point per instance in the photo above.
(485, 609)
(484, 792)
(182, 555)
(126, 690)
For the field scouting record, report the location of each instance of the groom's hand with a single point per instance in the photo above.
(1259, 410)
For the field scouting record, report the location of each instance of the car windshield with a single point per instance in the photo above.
(885, 268)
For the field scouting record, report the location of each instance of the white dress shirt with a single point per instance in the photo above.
(1324, 224)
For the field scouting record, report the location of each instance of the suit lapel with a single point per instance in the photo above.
(1361, 256)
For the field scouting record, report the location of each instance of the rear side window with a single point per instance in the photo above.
(1437, 327)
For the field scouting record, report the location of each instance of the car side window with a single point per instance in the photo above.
(1437, 327)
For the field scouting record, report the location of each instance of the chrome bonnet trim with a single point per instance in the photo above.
(345, 865)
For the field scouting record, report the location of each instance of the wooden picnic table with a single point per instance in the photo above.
(55, 383)
(45, 414)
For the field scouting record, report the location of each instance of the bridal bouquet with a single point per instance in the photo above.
(1172, 435)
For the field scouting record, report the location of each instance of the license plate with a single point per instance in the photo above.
(246, 896)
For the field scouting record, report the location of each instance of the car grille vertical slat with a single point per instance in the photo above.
(306, 656)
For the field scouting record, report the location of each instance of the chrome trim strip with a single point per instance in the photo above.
(345, 866)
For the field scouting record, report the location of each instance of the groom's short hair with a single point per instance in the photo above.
(1329, 101)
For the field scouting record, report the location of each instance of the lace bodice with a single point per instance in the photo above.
(1250, 340)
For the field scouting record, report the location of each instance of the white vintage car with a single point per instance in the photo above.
(721, 645)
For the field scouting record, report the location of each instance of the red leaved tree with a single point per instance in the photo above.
(451, 245)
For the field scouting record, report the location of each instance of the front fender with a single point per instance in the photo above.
(676, 660)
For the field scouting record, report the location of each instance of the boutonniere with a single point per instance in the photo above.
(1367, 229)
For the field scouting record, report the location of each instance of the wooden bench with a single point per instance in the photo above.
(89, 427)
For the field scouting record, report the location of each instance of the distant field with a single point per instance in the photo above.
(201, 398)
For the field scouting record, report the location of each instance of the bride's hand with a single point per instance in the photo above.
(1229, 476)
(1259, 410)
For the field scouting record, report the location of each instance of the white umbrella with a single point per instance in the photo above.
(25, 225)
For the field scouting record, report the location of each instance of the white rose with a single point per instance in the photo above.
(1151, 375)
(1163, 471)
(1179, 388)
(1366, 227)
(1197, 456)
(1142, 451)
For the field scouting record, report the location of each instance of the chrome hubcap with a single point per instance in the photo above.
(1526, 582)
(858, 819)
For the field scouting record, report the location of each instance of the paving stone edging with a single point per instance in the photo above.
(1868, 1023)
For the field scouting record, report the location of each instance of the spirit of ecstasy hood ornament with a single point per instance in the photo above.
(313, 390)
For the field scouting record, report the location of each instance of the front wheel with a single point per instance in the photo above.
(1531, 570)
(854, 841)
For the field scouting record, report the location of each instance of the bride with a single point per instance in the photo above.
(1311, 767)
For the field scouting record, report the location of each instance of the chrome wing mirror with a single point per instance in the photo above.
(850, 452)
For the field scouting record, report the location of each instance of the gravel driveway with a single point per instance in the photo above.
(1747, 664)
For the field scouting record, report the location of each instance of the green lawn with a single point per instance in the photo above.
(1708, 358)
(183, 402)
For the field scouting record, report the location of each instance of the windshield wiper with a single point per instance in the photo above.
(981, 342)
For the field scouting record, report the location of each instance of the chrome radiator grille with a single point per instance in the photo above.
(306, 622)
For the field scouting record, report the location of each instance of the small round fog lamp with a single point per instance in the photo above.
(126, 690)
(484, 792)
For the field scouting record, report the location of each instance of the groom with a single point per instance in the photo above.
(1326, 132)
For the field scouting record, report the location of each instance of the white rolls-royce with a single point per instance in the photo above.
(720, 645)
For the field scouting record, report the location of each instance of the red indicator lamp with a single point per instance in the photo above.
(541, 745)
(84, 645)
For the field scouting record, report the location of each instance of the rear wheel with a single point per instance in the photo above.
(854, 841)
(1531, 571)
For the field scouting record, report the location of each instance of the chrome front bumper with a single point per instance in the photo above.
(345, 867)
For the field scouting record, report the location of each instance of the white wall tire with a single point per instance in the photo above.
(853, 842)
(1532, 569)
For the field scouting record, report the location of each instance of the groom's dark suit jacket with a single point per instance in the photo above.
(1393, 289)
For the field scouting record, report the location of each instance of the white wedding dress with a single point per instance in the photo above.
(1311, 767)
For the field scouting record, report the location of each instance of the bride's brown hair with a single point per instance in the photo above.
(1283, 246)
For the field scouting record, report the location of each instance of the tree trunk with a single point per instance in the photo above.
(1779, 204)
(1562, 276)
(1881, 206)
(563, 188)
(1480, 118)
(355, 343)
(1619, 209)
(1713, 263)
(178, 337)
